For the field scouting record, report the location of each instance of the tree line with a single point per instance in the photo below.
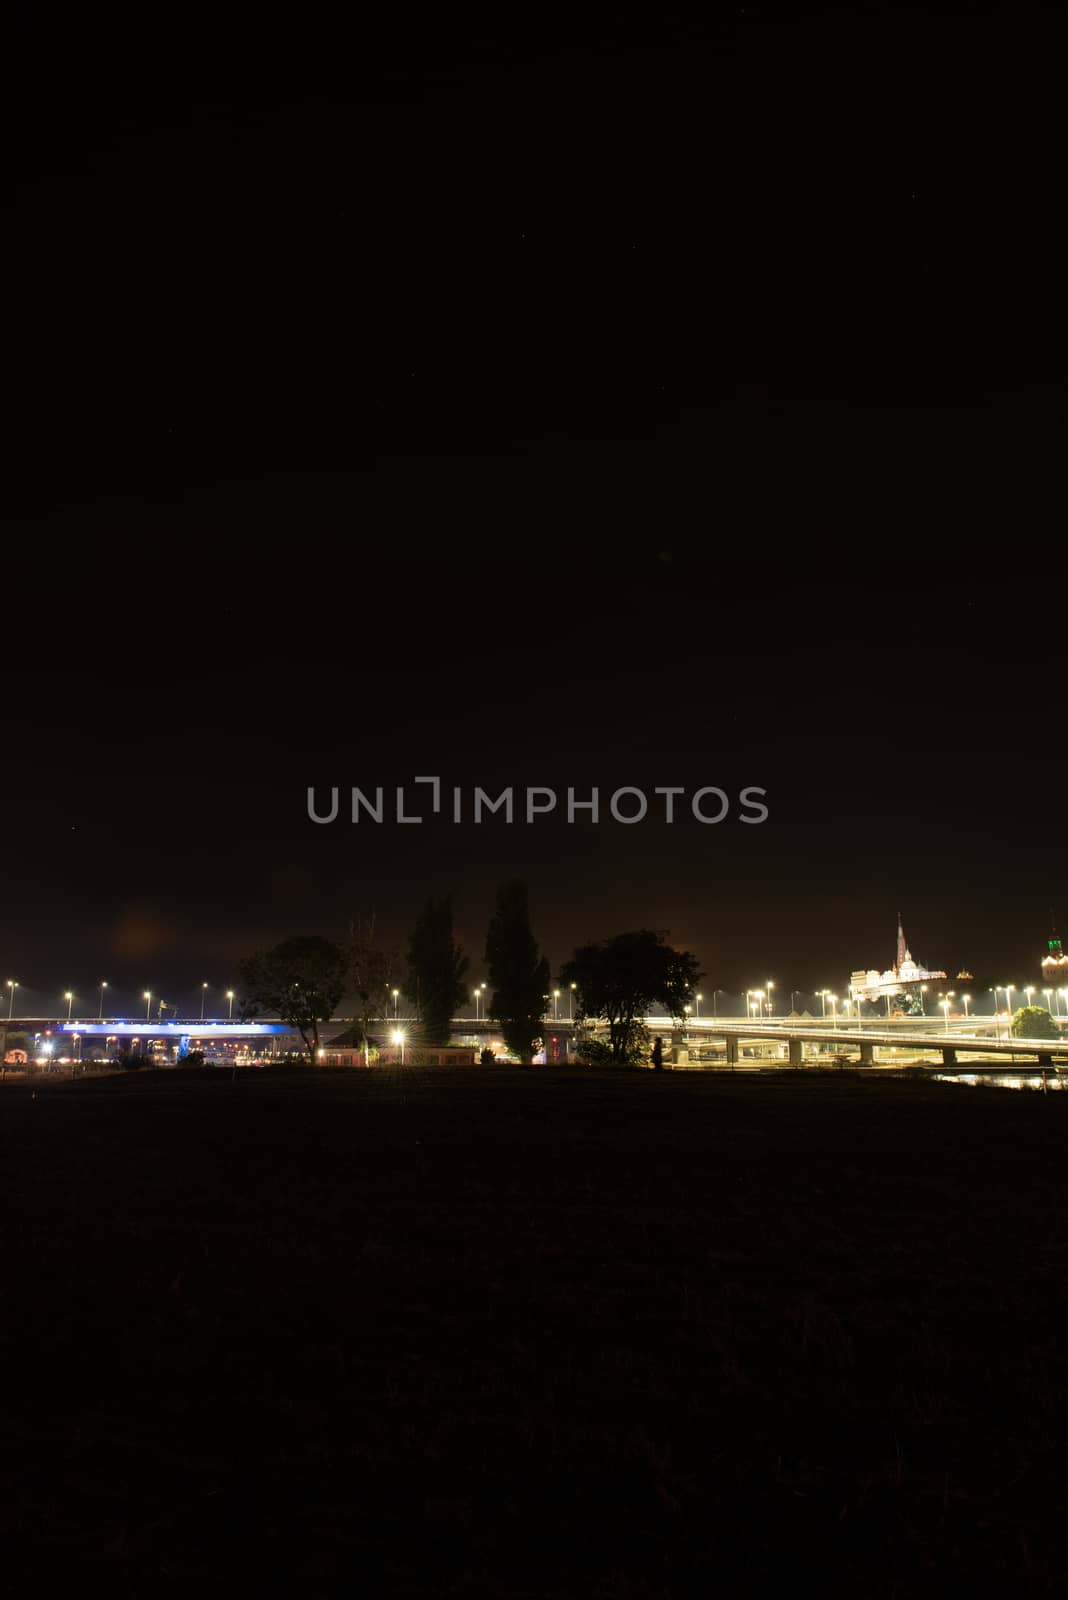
(615, 981)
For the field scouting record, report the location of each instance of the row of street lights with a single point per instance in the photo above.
(758, 1001)
(146, 995)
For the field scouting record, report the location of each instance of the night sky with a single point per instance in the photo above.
(594, 404)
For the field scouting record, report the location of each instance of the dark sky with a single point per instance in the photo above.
(625, 402)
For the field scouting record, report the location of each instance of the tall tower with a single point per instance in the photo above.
(903, 952)
(1054, 962)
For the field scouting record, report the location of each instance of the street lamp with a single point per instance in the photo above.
(556, 1005)
(943, 1001)
(203, 997)
(967, 1002)
(571, 1003)
(474, 996)
(923, 1007)
(833, 998)
(147, 997)
(1049, 1000)
(69, 998)
(230, 997)
(1029, 992)
(997, 1018)
(103, 986)
(398, 1038)
(12, 984)
(1009, 987)
(396, 1000)
(770, 988)
(699, 998)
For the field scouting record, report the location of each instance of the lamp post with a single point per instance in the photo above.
(556, 1005)
(699, 998)
(967, 1002)
(833, 998)
(1009, 987)
(12, 984)
(69, 998)
(923, 1005)
(103, 986)
(571, 1002)
(943, 1001)
(396, 1001)
(398, 1038)
(147, 997)
(474, 996)
(203, 997)
(230, 997)
(1049, 1000)
(770, 988)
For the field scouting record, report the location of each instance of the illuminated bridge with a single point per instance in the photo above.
(725, 1040)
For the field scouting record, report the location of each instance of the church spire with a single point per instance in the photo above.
(902, 947)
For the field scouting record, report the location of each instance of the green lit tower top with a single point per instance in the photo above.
(1054, 962)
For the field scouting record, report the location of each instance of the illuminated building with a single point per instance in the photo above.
(906, 976)
(1054, 962)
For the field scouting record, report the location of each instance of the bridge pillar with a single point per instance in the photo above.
(797, 1052)
(732, 1050)
(867, 1054)
(949, 1056)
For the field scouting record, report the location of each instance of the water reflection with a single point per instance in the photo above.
(1005, 1080)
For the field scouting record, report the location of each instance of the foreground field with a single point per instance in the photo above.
(541, 1333)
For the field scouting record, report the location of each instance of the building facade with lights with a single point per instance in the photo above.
(904, 976)
(1054, 964)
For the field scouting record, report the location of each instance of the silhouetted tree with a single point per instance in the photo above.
(370, 971)
(618, 980)
(300, 981)
(519, 976)
(1034, 1022)
(436, 969)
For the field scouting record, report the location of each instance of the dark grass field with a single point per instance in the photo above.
(503, 1332)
